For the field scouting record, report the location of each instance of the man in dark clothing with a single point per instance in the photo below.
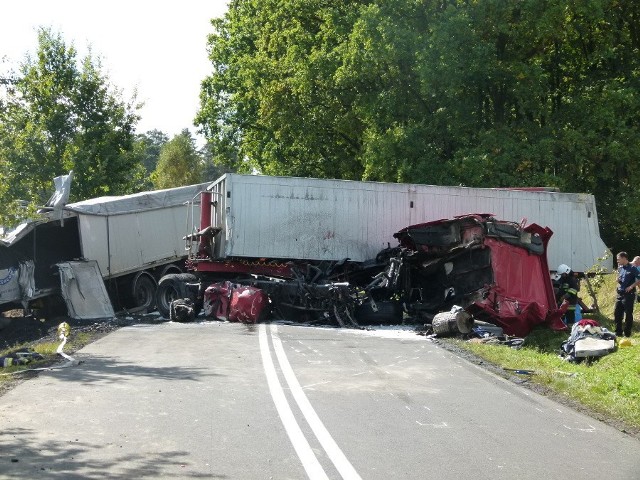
(568, 287)
(628, 279)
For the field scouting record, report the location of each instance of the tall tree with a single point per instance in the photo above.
(487, 93)
(151, 142)
(63, 114)
(179, 163)
(272, 103)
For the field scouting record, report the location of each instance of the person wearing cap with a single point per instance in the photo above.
(628, 280)
(567, 294)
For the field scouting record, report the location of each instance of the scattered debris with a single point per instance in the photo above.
(182, 310)
(22, 357)
(588, 341)
(521, 372)
(452, 322)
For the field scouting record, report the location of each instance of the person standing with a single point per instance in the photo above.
(628, 279)
(568, 287)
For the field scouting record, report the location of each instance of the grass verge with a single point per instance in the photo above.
(48, 349)
(608, 387)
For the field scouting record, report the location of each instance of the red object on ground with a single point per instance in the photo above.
(235, 303)
(217, 297)
(247, 304)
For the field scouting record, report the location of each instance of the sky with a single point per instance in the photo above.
(158, 48)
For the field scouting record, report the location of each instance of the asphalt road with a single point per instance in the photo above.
(230, 401)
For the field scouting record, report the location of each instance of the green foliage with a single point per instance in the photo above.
(596, 274)
(62, 114)
(212, 169)
(486, 94)
(179, 163)
(150, 143)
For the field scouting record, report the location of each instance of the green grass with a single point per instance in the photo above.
(47, 349)
(609, 386)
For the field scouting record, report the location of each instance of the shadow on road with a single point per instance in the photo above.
(95, 369)
(22, 456)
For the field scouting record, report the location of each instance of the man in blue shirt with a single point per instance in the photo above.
(628, 279)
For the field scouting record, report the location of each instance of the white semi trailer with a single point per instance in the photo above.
(130, 241)
(314, 219)
(316, 230)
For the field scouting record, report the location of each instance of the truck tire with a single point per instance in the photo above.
(388, 311)
(143, 292)
(191, 293)
(172, 287)
(170, 269)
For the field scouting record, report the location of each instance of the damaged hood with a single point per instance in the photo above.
(498, 268)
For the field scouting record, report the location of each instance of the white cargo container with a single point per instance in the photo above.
(314, 219)
(133, 239)
(133, 232)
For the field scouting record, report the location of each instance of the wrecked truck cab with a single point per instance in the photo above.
(496, 270)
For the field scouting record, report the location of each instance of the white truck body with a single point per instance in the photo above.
(133, 232)
(314, 219)
(124, 235)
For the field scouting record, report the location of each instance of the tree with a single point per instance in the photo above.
(212, 169)
(488, 94)
(59, 115)
(151, 143)
(272, 103)
(179, 163)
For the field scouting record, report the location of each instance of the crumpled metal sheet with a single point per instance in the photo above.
(84, 291)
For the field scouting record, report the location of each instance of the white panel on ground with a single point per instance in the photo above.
(84, 291)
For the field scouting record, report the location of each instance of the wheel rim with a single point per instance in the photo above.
(168, 295)
(144, 292)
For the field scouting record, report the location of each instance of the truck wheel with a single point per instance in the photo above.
(388, 311)
(143, 292)
(170, 269)
(170, 288)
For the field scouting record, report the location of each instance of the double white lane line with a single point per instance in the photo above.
(300, 444)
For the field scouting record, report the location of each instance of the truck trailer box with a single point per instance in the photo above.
(133, 232)
(133, 239)
(316, 219)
